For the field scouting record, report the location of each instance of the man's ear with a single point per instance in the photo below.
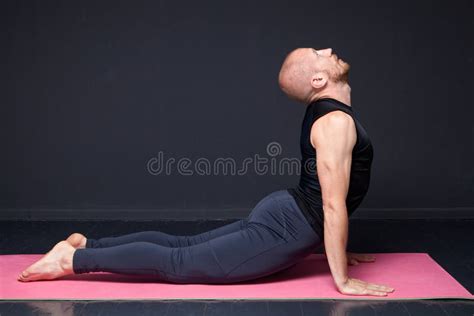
(319, 80)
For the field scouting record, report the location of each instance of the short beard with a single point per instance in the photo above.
(343, 77)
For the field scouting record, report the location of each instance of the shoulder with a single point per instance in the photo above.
(331, 126)
(334, 120)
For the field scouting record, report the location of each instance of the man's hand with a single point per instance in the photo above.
(357, 287)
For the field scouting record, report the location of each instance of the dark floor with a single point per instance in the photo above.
(449, 242)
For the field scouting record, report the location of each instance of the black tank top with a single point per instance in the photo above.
(308, 192)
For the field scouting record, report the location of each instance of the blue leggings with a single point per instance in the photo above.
(274, 236)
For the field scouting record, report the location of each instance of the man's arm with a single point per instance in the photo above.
(334, 137)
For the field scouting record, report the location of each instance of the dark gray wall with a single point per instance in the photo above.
(91, 90)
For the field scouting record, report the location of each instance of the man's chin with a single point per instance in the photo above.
(343, 77)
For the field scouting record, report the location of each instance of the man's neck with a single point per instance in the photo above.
(339, 91)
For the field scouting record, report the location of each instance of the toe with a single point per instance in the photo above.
(22, 276)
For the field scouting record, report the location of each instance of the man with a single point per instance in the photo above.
(283, 228)
(335, 139)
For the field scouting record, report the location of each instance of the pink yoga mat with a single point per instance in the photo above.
(413, 275)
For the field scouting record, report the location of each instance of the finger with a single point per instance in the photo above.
(386, 287)
(380, 289)
(363, 291)
(377, 287)
(373, 286)
(376, 293)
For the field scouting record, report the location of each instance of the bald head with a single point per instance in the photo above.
(307, 73)
(296, 72)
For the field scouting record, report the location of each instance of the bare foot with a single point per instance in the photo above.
(56, 263)
(77, 240)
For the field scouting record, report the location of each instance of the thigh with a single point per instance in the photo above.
(266, 262)
(257, 251)
(278, 237)
(213, 260)
(214, 233)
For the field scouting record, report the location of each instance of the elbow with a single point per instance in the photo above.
(335, 215)
(334, 207)
(335, 218)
